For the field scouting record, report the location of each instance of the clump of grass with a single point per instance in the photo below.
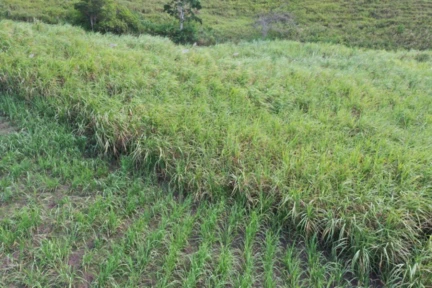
(335, 139)
(422, 57)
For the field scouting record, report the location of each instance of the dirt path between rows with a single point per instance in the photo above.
(5, 127)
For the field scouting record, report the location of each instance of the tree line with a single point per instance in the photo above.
(110, 16)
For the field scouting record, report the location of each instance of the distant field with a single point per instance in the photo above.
(368, 23)
(336, 140)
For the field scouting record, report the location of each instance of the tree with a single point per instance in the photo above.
(184, 10)
(107, 16)
(92, 10)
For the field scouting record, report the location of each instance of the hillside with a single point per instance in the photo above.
(335, 141)
(373, 24)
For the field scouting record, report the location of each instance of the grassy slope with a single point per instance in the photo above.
(337, 139)
(367, 23)
(67, 220)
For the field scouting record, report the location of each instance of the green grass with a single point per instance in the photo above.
(70, 217)
(383, 24)
(335, 140)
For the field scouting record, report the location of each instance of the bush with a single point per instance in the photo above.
(119, 20)
(189, 34)
(106, 16)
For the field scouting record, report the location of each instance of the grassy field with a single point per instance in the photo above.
(70, 217)
(368, 23)
(335, 141)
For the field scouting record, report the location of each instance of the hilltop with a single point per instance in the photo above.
(372, 24)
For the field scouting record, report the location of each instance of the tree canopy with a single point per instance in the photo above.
(184, 10)
(106, 16)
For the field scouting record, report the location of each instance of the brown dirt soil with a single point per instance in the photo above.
(5, 127)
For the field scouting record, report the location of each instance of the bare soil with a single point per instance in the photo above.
(5, 127)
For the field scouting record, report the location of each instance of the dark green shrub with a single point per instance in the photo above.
(189, 34)
(119, 20)
(400, 28)
(106, 16)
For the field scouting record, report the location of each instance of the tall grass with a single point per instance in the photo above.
(336, 139)
(73, 221)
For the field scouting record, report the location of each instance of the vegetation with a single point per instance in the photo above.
(92, 11)
(70, 218)
(335, 141)
(184, 10)
(106, 16)
(366, 23)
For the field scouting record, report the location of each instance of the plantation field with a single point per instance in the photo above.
(334, 141)
(367, 23)
(72, 218)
